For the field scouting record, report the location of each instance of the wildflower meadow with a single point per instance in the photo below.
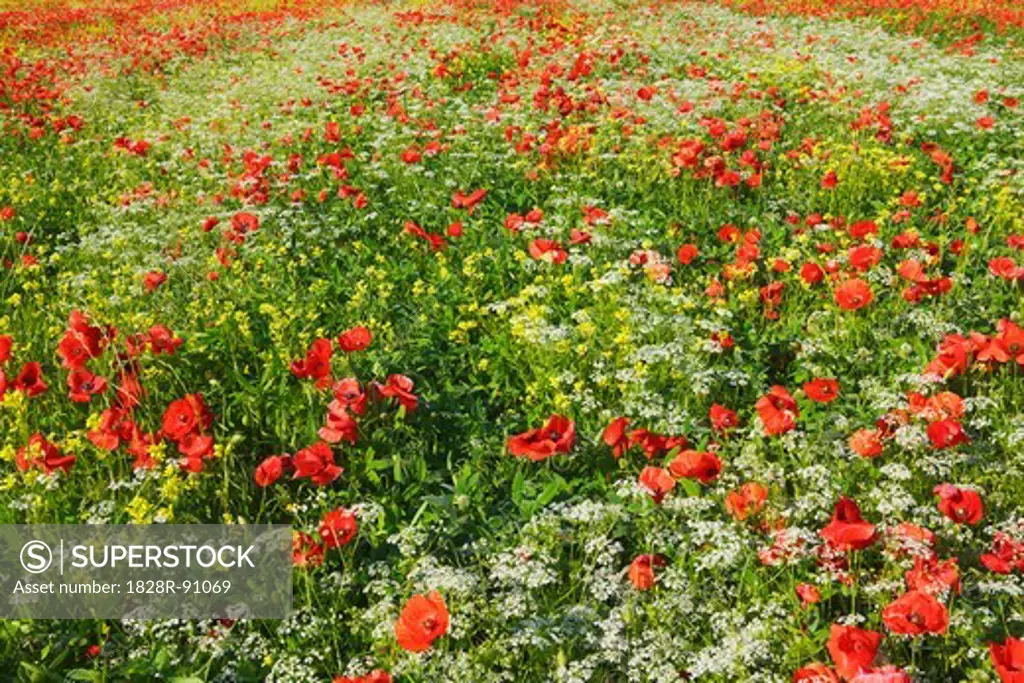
(610, 341)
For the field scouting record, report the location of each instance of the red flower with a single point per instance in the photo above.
(399, 387)
(83, 385)
(778, 411)
(915, 613)
(242, 224)
(556, 436)
(317, 363)
(185, 416)
(811, 273)
(306, 552)
(161, 340)
(355, 339)
(548, 250)
(816, 672)
(687, 253)
(1007, 555)
(852, 649)
(375, 676)
(746, 501)
(615, 436)
(853, 294)
(722, 419)
(1008, 659)
(6, 342)
(468, 201)
(657, 482)
(340, 425)
(423, 620)
(702, 466)
(807, 593)
(270, 470)
(43, 455)
(348, 393)
(931, 576)
(338, 528)
(579, 237)
(946, 434)
(867, 443)
(848, 530)
(80, 342)
(963, 506)
(154, 279)
(317, 463)
(886, 674)
(822, 390)
(641, 571)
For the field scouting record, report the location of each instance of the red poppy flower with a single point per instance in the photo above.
(579, 237)
(42, 454)
(548, 250)
(915, 613)
(811, 273)
(1007, 554)
(161, 340)
(657, 482)
(848, 530)
(747, 500)
(306, 552)
(807, 593)
(1008, 659)
(184, 416)
(778, 411)
(722, 419)
(270, 470)
(615, 436)
(864, 257)
(83, 385)
(154, 279)
(556, 436)
(338, 528)
(702, 466)
(317, 363)
(243, 223)
(423, 620)
(399, 387)
(641, 571)
(852, 649)
(687, 253)
(30, 380)
(468, 201)
(946, 434)
(867, 443)
(934, 577)
(80, 342)
(652, 444)
(340, 425)
(349, 394)
(886, 674)
(375, 676)
(6, 343)
(962, 506)
(822, 390)
(853, 294)
(816, 672)
(195, 447)
(317, 463)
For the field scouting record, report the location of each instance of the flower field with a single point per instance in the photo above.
(613, 341)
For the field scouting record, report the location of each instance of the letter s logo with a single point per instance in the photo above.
(36, 557)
